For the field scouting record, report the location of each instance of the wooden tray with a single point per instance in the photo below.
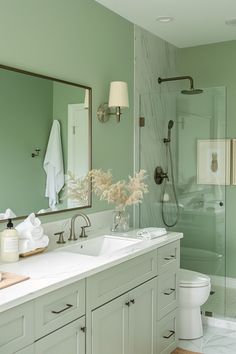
(9, 279)
(32, 253)
(183, 351)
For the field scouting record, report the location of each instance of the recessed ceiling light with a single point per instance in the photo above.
(231, 22)
(165, 19)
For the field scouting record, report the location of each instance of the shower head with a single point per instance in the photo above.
(170, 126)
(191, 91)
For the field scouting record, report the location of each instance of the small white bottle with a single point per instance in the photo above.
(9, 244)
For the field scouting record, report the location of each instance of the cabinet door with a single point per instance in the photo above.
(69, 339)
(110, 327)
(142, 319)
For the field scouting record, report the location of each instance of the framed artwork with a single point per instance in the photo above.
(213, 161)
(233, 162)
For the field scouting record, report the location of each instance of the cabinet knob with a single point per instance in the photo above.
(127, 303)
(133, 301)
(83, 329)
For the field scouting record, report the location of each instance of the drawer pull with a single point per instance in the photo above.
(169, 258)
(170, 335)
(68, 306)
(169, 292)
(133, 301)
(127, 303)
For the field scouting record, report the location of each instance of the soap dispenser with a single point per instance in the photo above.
(9, 244)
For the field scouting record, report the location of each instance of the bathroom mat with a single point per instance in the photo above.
(183, 351)
(9, 279)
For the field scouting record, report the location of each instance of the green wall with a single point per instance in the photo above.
(26, 117)
(78, 41)
(214, 65)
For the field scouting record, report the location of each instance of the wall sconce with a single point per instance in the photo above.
(118, 98)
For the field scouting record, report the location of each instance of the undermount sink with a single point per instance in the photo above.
(101, 246)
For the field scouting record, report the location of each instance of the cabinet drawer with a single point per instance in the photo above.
(16, 328)
(67, 340)
(115, 281)
(168, 257)
(167, 338)
(167, 299)
(59, 307)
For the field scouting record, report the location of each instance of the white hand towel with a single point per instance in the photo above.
(26, 245)
(42, 242)
(7, 215)
(53, 165)
(150, 233)
(30, 228)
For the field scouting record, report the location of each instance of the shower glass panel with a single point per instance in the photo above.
(201, 159)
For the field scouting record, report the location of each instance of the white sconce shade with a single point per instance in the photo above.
(118, 96)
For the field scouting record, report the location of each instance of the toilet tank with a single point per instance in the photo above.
(199, 260)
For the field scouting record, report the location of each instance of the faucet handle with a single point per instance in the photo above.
(60, 240)
(83, 233)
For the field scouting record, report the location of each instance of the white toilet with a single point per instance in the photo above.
(194, 290)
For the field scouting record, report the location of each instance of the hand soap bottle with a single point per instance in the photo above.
(9, 244)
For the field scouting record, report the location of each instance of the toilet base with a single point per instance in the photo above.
(190, 323)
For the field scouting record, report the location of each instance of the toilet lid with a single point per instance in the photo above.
(190, 279)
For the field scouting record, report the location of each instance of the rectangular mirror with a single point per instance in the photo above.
(45, 132)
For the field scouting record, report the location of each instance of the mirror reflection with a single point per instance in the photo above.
(45, 132)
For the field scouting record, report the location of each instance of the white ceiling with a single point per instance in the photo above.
(196, 22)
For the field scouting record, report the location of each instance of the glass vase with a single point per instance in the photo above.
(120, 221)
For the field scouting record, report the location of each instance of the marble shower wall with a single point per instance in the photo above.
(154, 57)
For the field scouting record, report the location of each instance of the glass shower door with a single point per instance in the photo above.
(200, 155)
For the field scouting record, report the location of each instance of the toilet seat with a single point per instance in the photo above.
(190, 279)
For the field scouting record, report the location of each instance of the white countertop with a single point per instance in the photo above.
(55, 269)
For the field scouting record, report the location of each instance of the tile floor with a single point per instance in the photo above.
(215, 341)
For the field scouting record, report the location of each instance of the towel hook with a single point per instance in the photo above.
(36, 153)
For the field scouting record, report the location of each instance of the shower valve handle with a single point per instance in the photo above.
(160, 175)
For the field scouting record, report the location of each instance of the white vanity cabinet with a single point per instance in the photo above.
(167, 297)
(126, 325)
(16, 328)
(128, 308)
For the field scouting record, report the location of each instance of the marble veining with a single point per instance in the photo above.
(215, 341)
(157, 103)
